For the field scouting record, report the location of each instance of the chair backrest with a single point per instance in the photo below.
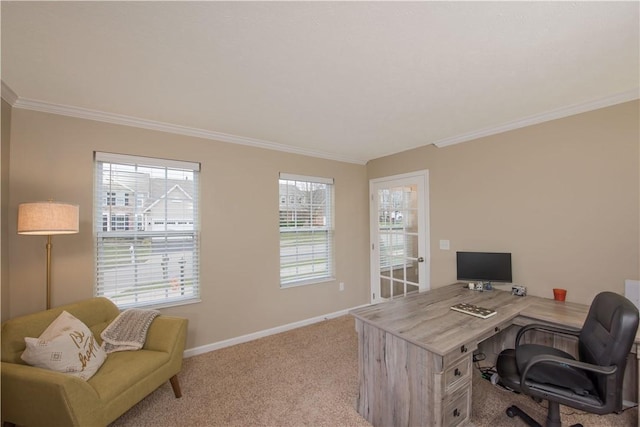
(607, 335)
(96, 313)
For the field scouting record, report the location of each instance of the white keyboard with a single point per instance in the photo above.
(473, 310)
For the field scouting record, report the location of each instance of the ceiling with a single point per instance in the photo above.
(350, 81)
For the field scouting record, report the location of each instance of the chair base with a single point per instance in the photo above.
(514, 411)
(553, 417)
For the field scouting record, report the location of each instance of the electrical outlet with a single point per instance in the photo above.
(342, 286)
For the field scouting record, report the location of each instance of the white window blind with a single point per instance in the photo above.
(306, 229)
(146, 226)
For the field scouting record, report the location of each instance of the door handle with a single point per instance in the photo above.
(420, 259)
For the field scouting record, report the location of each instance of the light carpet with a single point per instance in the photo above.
(305, 377)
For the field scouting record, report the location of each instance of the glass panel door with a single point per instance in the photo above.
(399, 246)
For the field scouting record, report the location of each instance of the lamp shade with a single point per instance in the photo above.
(48, 218)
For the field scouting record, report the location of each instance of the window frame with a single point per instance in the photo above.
(293, 202)
(111, 274)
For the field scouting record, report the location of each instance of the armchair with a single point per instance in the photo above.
(34, 396)
(593, 383)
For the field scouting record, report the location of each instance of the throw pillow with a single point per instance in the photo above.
(67, 346)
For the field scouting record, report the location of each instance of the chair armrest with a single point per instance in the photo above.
(35, 396)
(604, 370)
(166, 334)
(572, 332)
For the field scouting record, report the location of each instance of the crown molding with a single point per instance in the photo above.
(84, 113)
(121, 119)
(8, 94)
(543, 117)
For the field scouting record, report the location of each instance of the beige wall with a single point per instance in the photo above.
(52, 157)
(5, 129)
(562, 197)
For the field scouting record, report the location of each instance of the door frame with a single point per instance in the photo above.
(423, 224)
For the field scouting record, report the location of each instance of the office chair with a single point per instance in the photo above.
(594, 382)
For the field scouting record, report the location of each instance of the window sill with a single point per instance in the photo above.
(307, 282)
(157, 306)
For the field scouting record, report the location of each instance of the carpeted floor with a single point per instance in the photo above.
(304, 377)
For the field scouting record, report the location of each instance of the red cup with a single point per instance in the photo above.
(559, 294)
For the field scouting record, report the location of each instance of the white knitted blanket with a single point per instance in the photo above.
(128, 331)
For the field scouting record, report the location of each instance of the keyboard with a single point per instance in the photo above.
(474, 310)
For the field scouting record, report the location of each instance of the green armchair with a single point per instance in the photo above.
(33, 396)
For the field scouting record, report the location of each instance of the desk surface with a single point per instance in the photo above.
(426, 319)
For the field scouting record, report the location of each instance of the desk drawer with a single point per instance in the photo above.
(465, 350)
(457, 374)
(495, 331)
(457, 408)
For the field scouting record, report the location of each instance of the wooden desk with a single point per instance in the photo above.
(415, 353)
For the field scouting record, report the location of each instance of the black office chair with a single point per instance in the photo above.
(594, 382)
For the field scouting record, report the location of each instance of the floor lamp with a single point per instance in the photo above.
(47, 219)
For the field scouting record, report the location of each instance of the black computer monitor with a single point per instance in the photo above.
(484, 266)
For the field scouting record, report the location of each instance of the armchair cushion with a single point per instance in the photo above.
(67, 346)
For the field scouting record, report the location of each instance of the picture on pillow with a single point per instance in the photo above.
(67, 346)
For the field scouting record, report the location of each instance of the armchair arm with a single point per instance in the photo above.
(605, 370)
(165, 332)
(572, 332)
(39, 397)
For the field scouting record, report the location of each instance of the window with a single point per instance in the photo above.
(119, 222)
(147, 253)
(110, 198)
(306, 230)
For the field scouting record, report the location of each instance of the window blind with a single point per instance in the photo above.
(146, 227)
(306, 229)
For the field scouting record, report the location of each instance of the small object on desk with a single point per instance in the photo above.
(473, 310)
(480, 286)
(518, 290)
(559, 294)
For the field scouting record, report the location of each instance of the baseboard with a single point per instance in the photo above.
(265, 333)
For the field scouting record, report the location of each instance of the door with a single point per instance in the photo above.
(400, 260)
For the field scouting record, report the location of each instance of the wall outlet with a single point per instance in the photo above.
(444, 245)
(342, 286)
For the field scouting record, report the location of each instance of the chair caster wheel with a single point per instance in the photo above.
(510, 412)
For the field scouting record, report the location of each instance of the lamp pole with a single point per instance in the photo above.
(49, 245)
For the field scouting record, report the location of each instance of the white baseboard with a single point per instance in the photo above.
(265, 333)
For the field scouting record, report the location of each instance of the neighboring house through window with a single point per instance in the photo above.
(306, 230)
(147, 252)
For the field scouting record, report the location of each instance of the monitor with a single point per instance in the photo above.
(484, 266)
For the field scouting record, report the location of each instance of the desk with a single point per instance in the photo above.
(415, 353)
